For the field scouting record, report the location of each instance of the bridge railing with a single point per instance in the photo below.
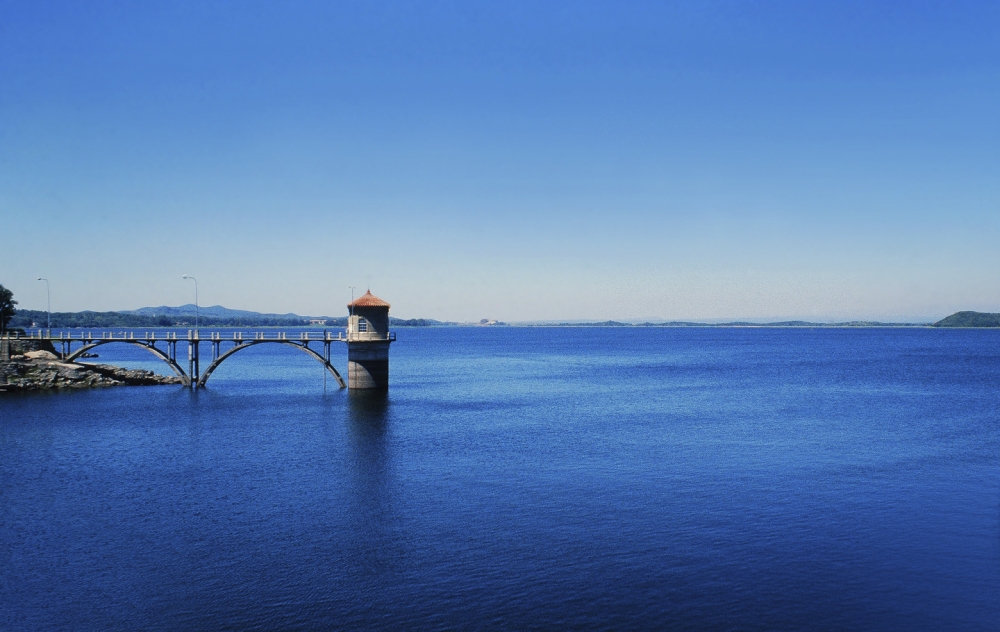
(88, 335)
(370, 336)
(194, 335)
(303, 336)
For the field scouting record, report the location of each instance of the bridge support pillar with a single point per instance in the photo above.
(193, 361)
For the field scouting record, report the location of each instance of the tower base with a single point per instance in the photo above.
(368, 365)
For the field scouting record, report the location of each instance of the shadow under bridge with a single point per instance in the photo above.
(169, 356)
(219, 356)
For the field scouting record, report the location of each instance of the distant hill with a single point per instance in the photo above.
(969, 319)
(416, 322)
(215, 311)
(606, 323)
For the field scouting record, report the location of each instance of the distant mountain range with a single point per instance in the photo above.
(215, 311)
(217, 314)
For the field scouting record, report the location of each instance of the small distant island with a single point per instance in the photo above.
(969, 319)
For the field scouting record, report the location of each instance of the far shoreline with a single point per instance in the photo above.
(115, 321)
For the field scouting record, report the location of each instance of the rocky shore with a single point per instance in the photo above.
(39, 370)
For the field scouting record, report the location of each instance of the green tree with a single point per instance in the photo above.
(7, 310)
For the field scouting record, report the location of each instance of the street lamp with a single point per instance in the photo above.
(48, 304)
(188, 276)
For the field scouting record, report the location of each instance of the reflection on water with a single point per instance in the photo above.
(368, 422)
(369, 410)
(371, 509)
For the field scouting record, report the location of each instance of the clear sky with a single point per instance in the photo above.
(520, 161)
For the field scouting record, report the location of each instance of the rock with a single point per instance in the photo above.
(45, 372)
(41, 355)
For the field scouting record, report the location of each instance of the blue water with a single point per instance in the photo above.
(521, 478)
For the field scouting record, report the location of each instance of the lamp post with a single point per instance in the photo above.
(350, 311)
(188, 276)
(48, 304)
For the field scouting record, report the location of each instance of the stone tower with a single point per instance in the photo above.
(368, 340)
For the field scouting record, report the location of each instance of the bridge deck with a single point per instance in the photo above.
(194, 335)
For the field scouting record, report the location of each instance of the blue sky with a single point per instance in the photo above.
(521, 161)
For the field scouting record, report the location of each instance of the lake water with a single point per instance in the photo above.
(526, 478)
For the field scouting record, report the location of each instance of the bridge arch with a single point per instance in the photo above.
(300, 346)
(159, 353)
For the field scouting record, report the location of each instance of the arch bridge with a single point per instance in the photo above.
(193, 377)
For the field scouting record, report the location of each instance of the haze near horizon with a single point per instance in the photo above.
(517, 161)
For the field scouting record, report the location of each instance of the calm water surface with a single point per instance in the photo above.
(521, 478)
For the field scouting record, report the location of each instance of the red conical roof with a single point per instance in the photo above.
(368, 300)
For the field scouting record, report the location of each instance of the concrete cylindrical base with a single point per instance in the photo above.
(368, 365)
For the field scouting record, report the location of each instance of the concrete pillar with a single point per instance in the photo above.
(368, 365)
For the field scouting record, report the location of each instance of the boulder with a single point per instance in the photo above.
(41, 355)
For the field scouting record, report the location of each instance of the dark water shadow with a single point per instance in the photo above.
(369, 413)
(370, 453)
(373, 490)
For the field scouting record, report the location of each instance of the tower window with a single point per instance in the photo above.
(362, 324)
